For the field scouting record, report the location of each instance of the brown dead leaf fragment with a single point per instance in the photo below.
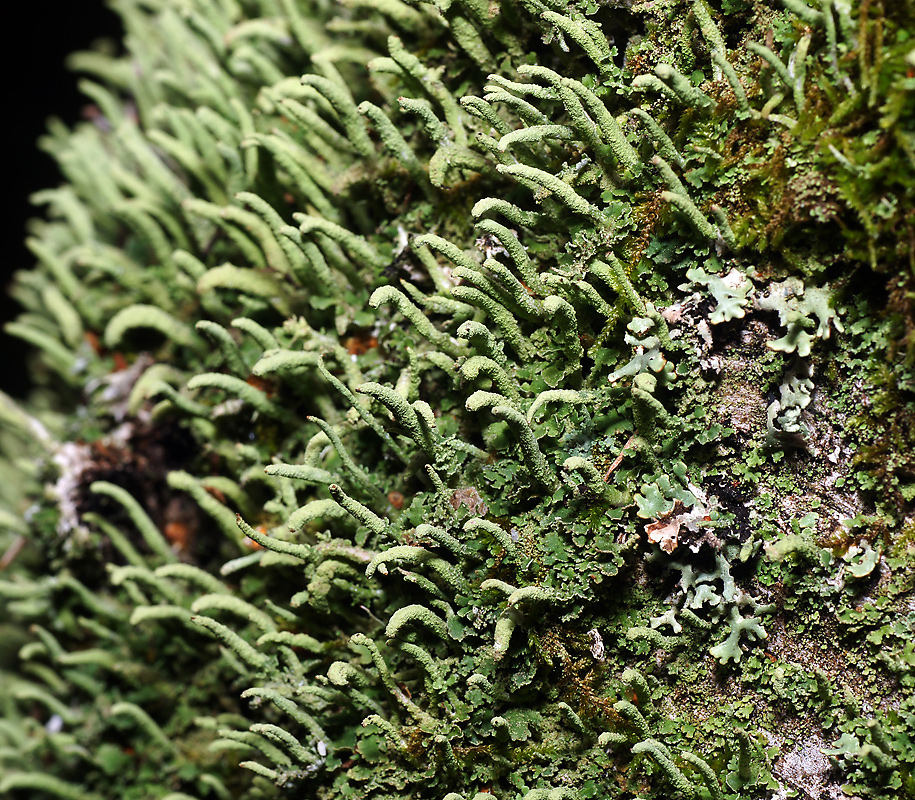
(469, 498)
(664, 534)
(360, 344)
(664, 530)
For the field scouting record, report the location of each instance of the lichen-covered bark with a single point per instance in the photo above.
(459, 400)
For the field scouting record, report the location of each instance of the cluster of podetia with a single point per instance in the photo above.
(395, 438)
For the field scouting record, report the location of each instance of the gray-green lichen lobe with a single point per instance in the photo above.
(519, 404)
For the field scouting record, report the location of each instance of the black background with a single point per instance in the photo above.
(38, 86)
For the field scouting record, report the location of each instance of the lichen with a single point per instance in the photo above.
(458, 400)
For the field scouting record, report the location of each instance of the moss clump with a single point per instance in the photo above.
(446, 401)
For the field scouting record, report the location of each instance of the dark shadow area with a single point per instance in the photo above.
(38, 87)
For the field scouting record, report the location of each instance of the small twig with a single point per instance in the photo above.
(367, 611)
(12, 551)
(619, 459)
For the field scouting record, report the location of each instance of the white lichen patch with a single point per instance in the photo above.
(805, 772)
